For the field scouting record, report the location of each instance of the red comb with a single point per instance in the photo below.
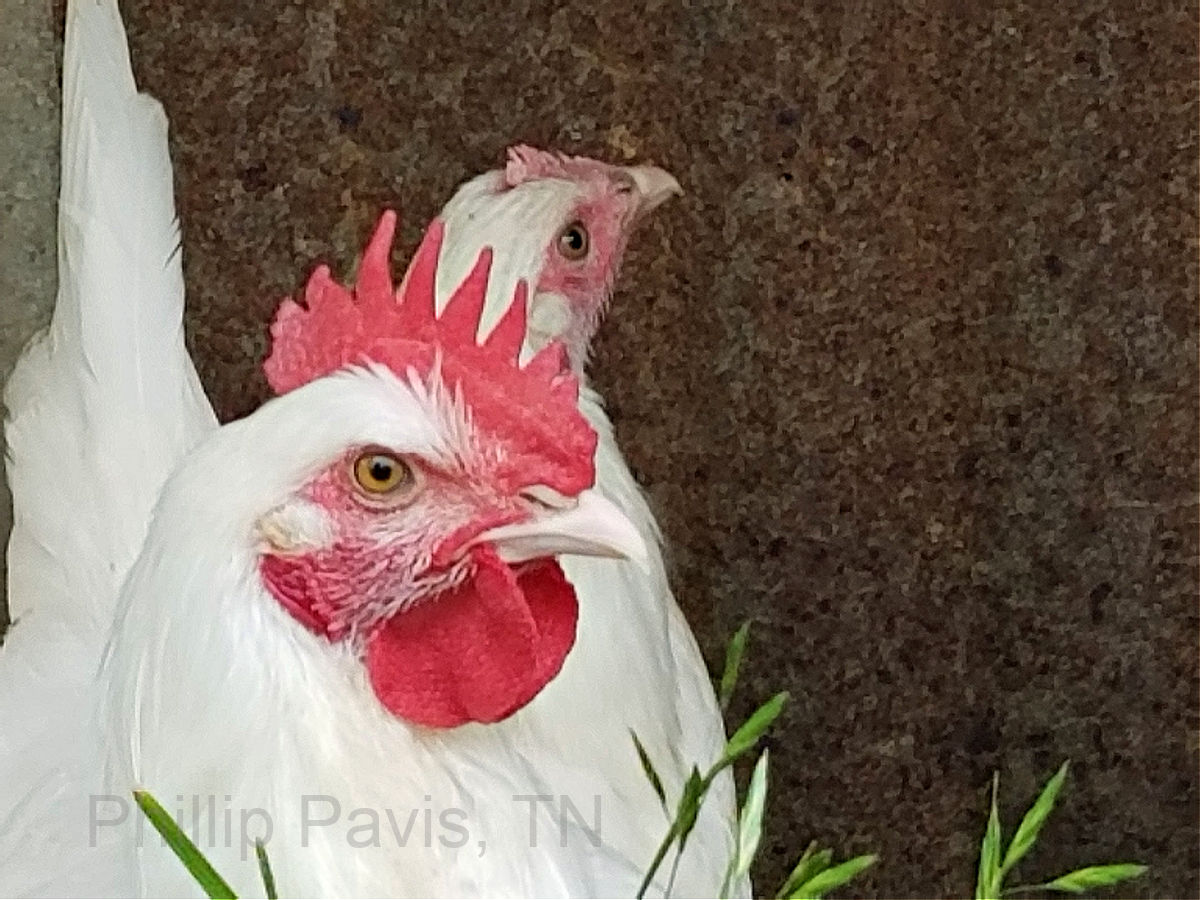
(532, 410)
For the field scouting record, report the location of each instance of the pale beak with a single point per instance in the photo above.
(592, 526)
(654, 186)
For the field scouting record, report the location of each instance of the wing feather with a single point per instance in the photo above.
(101, 407)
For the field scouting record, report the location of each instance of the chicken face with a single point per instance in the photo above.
(563, 223)
(436, 558)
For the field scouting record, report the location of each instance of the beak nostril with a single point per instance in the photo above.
(546, 497)
(624, 182)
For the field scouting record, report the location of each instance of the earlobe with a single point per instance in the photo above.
(294, 527)
(549, 318)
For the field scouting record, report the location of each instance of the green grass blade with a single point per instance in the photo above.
(1031, 825)
(987, 883)
(810, 863)
(655, 863)
(1094, 877)
(754, 728)
(264, 869)
(648, 769)
(749, 825)
(733, 661)
(832, 879)
(181, 845)
(694, 790)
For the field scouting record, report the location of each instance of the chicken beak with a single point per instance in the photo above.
(654, 186)
(593, 526)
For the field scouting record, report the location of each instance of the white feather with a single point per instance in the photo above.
(519, 226)
(212, 690)
(100, 409)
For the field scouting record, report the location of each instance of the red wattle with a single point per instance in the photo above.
(477, 653)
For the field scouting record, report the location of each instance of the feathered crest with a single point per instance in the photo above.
(532, 409)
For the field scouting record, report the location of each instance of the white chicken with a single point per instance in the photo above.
(561, 224)
(274, 663)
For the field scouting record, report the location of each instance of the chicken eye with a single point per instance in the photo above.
(381, 473)
(573, 241)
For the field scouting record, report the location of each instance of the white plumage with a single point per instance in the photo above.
(134, 540)
(100, 409)
(633, 639)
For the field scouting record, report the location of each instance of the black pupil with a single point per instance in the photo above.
(381, 469)
(574, 239)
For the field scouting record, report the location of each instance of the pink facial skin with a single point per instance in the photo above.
(611, 201)
(385, 555)
(450, 633)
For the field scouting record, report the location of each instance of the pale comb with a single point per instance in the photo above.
(525, 163)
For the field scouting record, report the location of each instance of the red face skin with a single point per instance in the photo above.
(450, 635)
(388, 552)
(607, 214)
(609, 204)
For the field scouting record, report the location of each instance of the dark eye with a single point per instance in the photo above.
(573, 241)
(381, 473)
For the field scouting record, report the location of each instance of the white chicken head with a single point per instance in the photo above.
(427, 533)
(559, 222)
